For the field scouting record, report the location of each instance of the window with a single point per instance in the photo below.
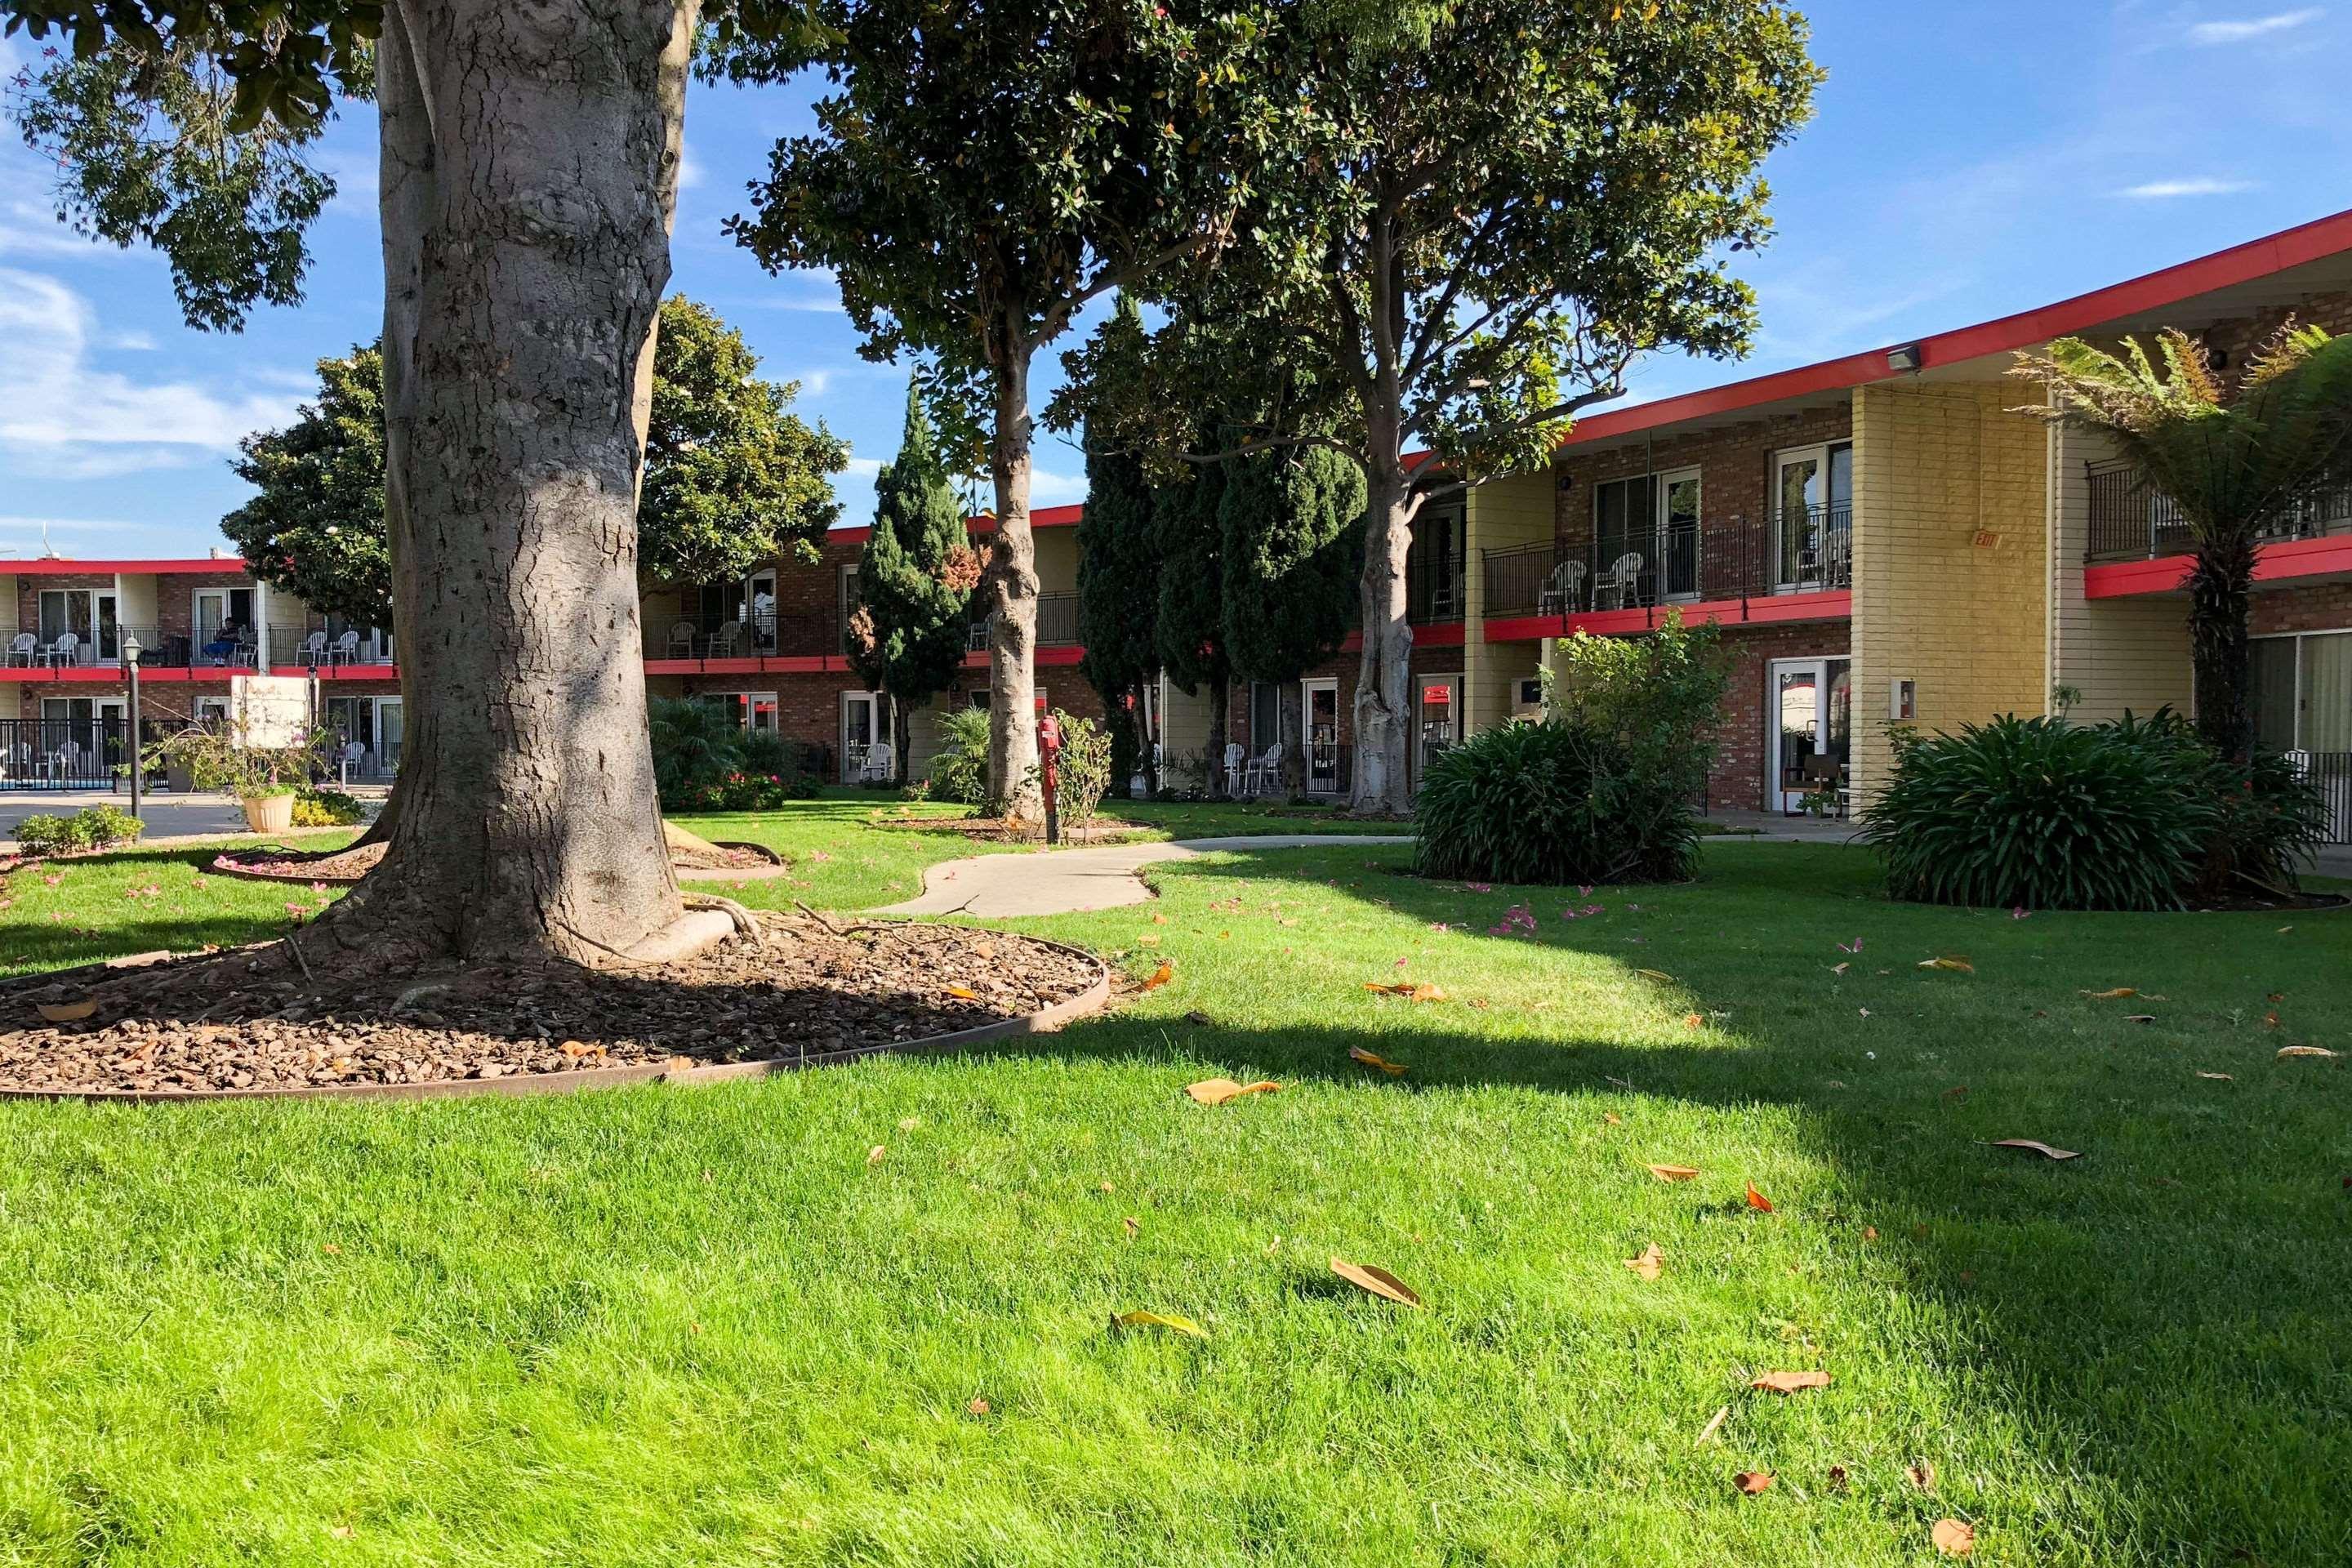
(1433, 567)
(1265, 714)
(2303, 692)
(1812, 517)
(1646, 535)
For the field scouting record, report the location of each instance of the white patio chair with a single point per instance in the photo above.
(1264, 772)
(346, 649)
(247, 653)
(314, 649)
(67, 649)
(1236, 755)
(1622, 583)
(1563, 591)
(681, 640)
(352, 755)
(22, 647)
(727, 642)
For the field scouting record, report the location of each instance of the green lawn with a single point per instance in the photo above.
(698, 1327)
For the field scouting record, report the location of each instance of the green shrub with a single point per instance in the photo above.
(1082, 776)
(2039, 813)
(92, 828)
(959, 767)
(2268, 816)
(704, 759)
(1551, 804)
(321, 807)
(744, 792)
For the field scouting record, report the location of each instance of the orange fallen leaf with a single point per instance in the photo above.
(1715, 1424)
(978, 1406)
(1611, 1118)
(1956, 965)
(2118, 994)
(2038, 1147)
(1792, 1382)
(1692, 1020)
(1358, 1053)
(1870, 1233)
(963, 992)
(1161, 976)
(1217, 1091)
(1758, 1201)
(67, 1012)
(1954, 1538)
(1378, 1281)
(1159, 920)
(1132, 1225)
(1650, 1264)
(2286, 1051)
(1159, 1320)
(328, 1247)
(1921, 1475)
(1673, 1173)
(1753, 1483)
(874, 1155)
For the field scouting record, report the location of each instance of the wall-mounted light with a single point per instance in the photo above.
(1904, 358)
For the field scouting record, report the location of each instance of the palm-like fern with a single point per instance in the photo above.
(2234, 457)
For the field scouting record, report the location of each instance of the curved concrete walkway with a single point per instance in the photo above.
(1075, 881)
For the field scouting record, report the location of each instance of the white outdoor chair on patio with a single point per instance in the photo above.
(1264, 771)
(346, 649)
(351, 759)
(1563, 591)
(727, 642)
(1236, 759)
(314, 650)
(1621, 586)
(681, 640)
(23, 648)
(67, 649)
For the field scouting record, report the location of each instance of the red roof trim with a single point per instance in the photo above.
(2170, 286)
(2294, 560)
(53, 566)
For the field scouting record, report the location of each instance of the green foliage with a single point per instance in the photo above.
(1118, 578)
(959, 770)
(92, 828)
(1082, 775)
(1658, 697)
(223, 757)
(703, 761)
(731, 478)
(1189, 628)
(1292, 539)
(915, 576)
(1551, 805)
(319, 808)
(2233, 456)
(2040, 814)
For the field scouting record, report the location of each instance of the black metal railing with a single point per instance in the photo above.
(67, 754)
(1058, 623)
(85, 647)
(2330, 772)
(2131, 519)
(763, 636)
(316, 645)
(1432, 586)
(1807, 551)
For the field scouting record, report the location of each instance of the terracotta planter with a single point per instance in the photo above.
(269, 813)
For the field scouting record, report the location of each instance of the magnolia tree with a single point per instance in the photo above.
(979, 174)
(733, 478)
(528, 174)
(1483, 212)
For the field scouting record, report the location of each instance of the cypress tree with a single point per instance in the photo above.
(1292, 524)
(1192, 621)
(1118, 592)
(915, 577)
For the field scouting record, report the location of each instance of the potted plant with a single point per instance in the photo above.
(262, 779)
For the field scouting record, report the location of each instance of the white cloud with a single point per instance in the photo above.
(2168, 190)
(2211, 32)
(1049, 488)
(62, 417)
(689, 168)
(867, 469)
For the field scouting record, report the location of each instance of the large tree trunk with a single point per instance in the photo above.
(2221, 591)
(529, 165)
(1148, 740)
(902, 739)
(1011, 591)
(1383, 712)
(1213, 779)
(1290, 724)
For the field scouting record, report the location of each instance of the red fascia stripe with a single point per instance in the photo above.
(2289, 561)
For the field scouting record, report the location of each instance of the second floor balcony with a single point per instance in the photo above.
(1058, 623)
(2131, 519)
(1808, 549)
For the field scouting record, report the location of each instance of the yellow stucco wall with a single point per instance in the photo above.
(2118, 653)
(1503, 515)
(1951, 558)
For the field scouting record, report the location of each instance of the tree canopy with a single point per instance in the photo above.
(733, 478)
(1291, 523)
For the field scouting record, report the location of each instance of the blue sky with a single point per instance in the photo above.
(1966, 161)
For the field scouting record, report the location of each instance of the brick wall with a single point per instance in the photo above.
(1736, 781)
(2309, 608)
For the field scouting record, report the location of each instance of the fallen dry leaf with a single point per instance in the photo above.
(1159, 920)
(1792, 1382)
(1921, 1475)
(328, 1247)
(1650, 1264)
(963, 992)
(1837, 1477)
(1954, 1538)
(1358, 1053)
(2286, 1051)
(1752, 1483)
(2218, 1077)
(2139, 1017)
(1715, 1424)
(1660, 975)
(1132, 1225)
(1161, 976)
(1692, 1020)
(1870, 1233)
(1197, 1016)
(341, 1532)
(1159, 1320)
(1958, 965)
(1611, 1118)
(1758, 1201)
(1673, 1173)
(1958, 1091)
(1217, 1091)
(1840, 968)
(2038, 1147)
(1407, 989)
(978, 1406)
(67, 1012)
(1378, 1281)
(2118, 994)
(874, 1155)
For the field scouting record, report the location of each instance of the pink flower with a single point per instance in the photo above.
(1477, 887)
(1403, 962)
(1855, 948)
(318, 887)
(2020, 913)
(1584, 891)
(54, 879)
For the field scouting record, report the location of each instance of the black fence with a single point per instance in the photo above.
(763, 635)
(1058, 623)
(1806, 550)
(2331, 774)
(2131, 519)
(67, 754)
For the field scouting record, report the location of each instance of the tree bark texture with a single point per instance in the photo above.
(1213, 774)
(1383, 714)
(528, 180)
(1290, 723)
(2221, 591)
(902, 739)
(1011, 587)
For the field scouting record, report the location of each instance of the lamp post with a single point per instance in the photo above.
(131, 651)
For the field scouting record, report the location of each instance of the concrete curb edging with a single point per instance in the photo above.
(678, 1070)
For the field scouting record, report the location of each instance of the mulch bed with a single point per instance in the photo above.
(253, 1019)
(275, 863)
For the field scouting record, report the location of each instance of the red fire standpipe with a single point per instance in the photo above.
(1049, 752)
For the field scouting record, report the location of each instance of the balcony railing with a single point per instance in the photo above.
(2131, 519)
(1808, 552)
(84, 648)
(767, 636)
(316, 648)
(1058, 623)
(1433, 589)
